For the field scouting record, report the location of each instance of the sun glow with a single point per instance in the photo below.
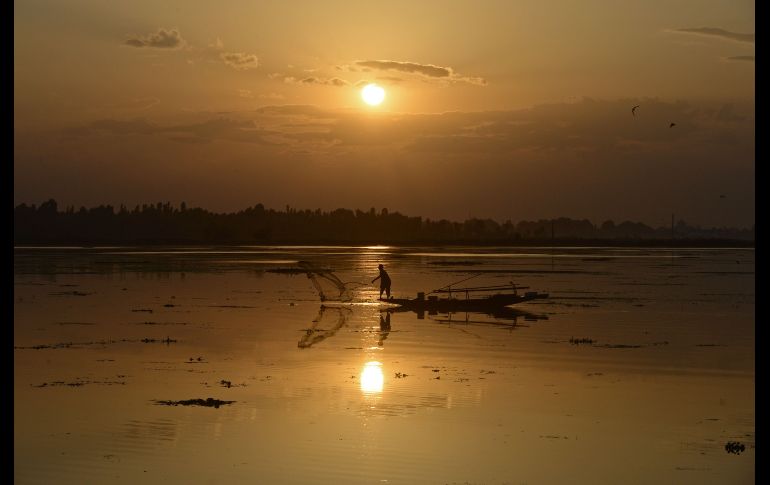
(372, 378)
(372, 94)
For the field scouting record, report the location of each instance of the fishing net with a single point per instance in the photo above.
(313, 335)
(327, 284)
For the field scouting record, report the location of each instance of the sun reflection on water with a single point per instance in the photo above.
(372, 378)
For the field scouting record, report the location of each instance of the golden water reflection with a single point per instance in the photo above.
(372, 378)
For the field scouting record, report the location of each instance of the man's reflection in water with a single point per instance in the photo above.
(384, 327)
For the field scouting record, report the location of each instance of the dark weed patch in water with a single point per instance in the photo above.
(578, 341)
(231, 306)
(67, 345)
(160, 323)
(455, 263)
(210, 402)
(229, 384)
(620, 346)
(735, 447)
(79, 383)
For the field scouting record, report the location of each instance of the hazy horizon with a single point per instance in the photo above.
(176, 205)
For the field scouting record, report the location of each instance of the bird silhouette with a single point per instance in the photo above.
(672, 125)
(633, 110)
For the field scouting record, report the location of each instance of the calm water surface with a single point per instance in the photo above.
(346, 393)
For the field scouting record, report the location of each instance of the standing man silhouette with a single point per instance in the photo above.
(384, 281)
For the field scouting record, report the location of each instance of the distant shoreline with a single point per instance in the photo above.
(164, 224)
(541, 244)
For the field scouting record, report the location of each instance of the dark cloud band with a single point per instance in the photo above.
(162, 39)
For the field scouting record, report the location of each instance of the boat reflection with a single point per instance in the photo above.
(313, 335)
(505, 316)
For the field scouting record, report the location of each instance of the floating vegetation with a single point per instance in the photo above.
(231, 306)
(455, 263)
(620, 346)
(229, 384)
(735, 447)
(153, 340)
(161, 323)
(578, 341)
(66, 345)
(210, 402)
(78, 383)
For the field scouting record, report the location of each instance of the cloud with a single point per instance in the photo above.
(741, 58)
(275, 96)
(427, 70)
(721, 33)
(389, 79)
(136, 104)
(217, 45)
(226, 129)
(593, 147)
(334, 81)
(239, 60)
(570, 130)
(162, 39)
(479, 81)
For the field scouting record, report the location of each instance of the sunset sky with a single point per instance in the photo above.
(503, 109)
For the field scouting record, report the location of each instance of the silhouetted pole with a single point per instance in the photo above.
(672, 239)
(672, 227)
(552, 242)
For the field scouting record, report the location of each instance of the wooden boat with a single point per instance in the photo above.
(453, 303)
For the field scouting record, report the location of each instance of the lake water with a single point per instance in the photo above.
(660, 380)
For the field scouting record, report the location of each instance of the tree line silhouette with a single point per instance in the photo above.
(163, 223)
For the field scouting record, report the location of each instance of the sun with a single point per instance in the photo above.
(373, 94)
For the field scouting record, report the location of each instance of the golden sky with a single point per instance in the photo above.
(502, 109)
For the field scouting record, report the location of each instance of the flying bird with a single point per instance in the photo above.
(672, 125)
(633, 110)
